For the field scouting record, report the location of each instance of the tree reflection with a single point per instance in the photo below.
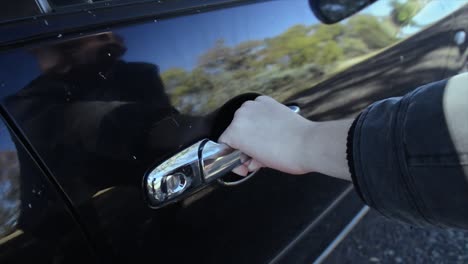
(278, 66)
(9, 190)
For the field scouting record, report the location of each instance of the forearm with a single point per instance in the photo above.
(325, 148)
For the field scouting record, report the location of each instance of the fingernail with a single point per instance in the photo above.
(251, 166)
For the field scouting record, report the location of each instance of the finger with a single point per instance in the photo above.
(241, 170)
(264, 98)
(224, 138)
(247, 162)
(227, 137)
(254, 165)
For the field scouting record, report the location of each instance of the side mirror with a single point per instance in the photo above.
(333, 11)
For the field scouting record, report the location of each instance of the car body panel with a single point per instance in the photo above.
(35, 223)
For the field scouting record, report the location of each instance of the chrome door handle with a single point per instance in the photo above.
(219, 159)
(191, 170)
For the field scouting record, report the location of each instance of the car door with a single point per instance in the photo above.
(108, 93)
(35, 223)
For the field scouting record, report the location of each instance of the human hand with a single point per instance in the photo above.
(271, 134)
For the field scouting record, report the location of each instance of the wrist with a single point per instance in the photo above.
(308, 144)
(325, 145)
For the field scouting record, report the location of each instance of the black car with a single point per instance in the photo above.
(111, 109)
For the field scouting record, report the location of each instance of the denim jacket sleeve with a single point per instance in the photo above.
(409, 155)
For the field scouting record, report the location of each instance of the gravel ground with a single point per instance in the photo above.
(376, 239)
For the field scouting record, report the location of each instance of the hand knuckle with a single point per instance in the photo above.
(239, 113)
(226, 137)
(236, 121)
(263, 98)
(247, 104)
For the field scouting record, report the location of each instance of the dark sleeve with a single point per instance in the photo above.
(409, 155)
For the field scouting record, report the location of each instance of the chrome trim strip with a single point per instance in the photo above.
(341, 236)
(44, 6)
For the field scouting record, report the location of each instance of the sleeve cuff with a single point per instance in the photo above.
(349, 157)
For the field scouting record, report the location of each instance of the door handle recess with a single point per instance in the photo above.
(191, 170)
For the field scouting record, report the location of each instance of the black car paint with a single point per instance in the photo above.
(250, 223)
(36, 224)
